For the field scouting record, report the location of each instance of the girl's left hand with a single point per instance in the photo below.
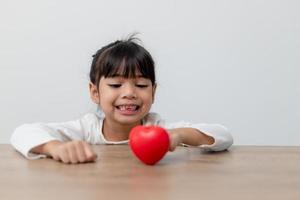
(175, 139)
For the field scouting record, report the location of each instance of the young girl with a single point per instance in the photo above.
(122, 84)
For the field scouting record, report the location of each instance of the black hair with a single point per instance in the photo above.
(124, 58)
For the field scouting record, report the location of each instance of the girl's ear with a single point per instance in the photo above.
(94, 94)
(153, 93)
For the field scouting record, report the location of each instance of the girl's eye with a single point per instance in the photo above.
(141, 85)
(114, 85)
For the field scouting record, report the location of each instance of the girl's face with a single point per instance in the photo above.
(124, 101)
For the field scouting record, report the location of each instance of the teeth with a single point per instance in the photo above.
(128, 107)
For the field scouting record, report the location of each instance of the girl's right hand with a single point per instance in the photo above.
(72, 152)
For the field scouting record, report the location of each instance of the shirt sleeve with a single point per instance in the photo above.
(28, 136)
(223, 138)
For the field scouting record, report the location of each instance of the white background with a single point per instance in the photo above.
(230, 62)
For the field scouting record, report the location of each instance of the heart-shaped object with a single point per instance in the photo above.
(149, 143)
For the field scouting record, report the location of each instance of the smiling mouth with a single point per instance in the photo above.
(129, 108)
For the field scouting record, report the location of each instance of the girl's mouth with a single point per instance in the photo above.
(128, 109)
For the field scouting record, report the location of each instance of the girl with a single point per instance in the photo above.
(122, 84)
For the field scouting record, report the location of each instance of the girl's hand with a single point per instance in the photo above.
(188, 136)
(70, 152)
(175, 139)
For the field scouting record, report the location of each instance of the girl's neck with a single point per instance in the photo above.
(116, 132)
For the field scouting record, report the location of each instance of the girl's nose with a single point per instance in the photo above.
(129, 92)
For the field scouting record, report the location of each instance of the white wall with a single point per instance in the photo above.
(231, 62)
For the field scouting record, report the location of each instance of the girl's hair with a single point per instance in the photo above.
(123, 58)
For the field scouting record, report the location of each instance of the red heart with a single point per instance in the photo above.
(149, 143)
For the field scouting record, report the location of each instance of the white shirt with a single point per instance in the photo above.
(89, 128)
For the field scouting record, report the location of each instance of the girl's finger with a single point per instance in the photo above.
(90, 154)
(63, 155)
(80, 151)
(72, 153)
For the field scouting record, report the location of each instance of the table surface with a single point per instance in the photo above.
(242, 172)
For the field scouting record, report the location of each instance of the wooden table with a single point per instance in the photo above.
(243, 172)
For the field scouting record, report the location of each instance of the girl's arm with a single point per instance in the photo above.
(188, 136)
(76, 151)
(29, 138)
(211, 137)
